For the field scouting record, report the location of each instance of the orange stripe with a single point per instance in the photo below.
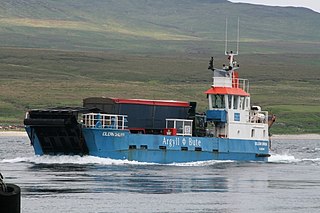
(227, 91)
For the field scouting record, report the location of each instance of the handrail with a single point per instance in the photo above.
(258, 116)
(105, 121)
(241, 83)
(183, 126)
(231, 82)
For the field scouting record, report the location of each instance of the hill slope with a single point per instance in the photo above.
(55, 53)
(126, 24)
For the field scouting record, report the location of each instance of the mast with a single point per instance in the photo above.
(238, 36)
(231, 54)
(226, 39)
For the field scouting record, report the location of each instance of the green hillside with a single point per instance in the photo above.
(55, 53)
(126, 24)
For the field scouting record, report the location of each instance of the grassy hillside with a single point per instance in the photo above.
(38, 78)
(126, 24)
(55, 53)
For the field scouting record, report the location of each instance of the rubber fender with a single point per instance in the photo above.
(10, 199)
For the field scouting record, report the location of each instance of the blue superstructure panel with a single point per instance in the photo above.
(217, 115)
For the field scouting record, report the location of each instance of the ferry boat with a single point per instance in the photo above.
(159, 131)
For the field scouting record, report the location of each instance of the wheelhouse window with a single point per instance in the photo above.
(230, 101)
(242, 102)
(218, 101)
(247, 103)
(235, 101)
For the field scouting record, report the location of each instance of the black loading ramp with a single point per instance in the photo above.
(58, 130)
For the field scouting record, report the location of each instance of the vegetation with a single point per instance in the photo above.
(33, 78)
(55, 53)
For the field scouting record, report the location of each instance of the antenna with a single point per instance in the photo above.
(238, 36)
(226, 37)
(226, 42)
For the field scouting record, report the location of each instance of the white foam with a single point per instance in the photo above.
(65, 159)
(85, 160)
(316, 160)
(282, 158)
(202, 163)
(287, 158)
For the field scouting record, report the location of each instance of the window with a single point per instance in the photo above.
(242, 100)
(218, 101)
(230, 101)
(235, 102)
(252, 133)
(179, 126)
(247, 102)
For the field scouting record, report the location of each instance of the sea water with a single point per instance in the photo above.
(289, 182)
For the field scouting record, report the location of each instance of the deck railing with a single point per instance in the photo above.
(231, 82)
(258, 116)
(107, 121)
(241, 83)
(183, 126)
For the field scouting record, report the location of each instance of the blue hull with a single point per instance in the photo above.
(35, 142)
(121, 144)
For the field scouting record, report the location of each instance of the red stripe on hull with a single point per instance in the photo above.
(152, 102)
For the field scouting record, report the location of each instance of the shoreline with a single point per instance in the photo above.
(281, 137)
(13, 133)
(297, 137)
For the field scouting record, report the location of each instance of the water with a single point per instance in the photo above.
(289, 183)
